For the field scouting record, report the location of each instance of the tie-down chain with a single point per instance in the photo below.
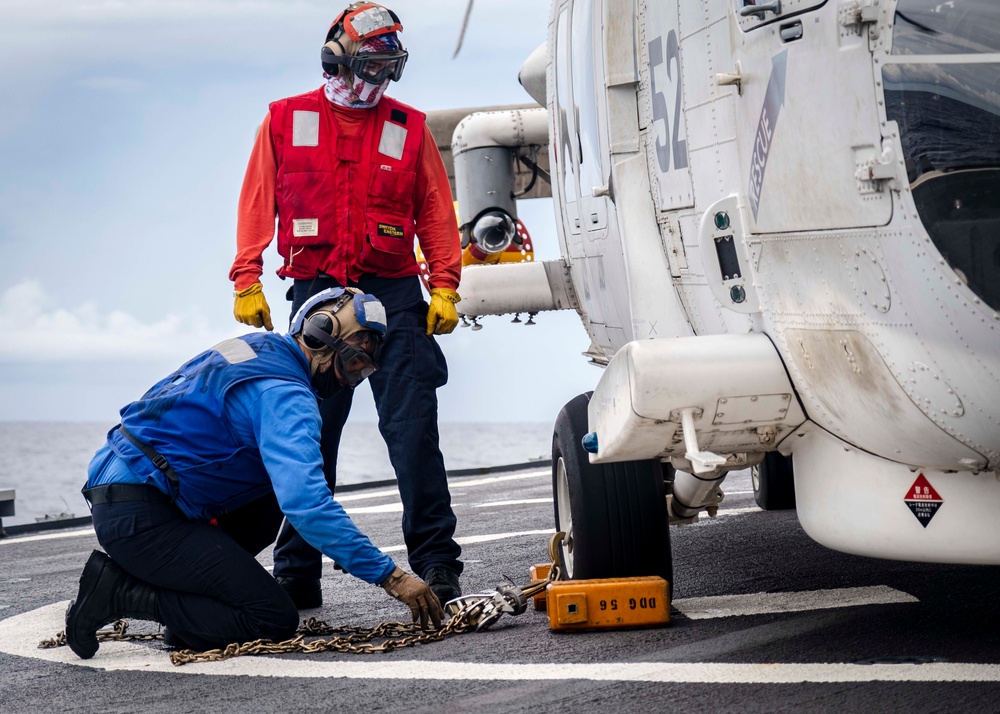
(467, 613)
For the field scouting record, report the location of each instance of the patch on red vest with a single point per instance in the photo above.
(390, 231)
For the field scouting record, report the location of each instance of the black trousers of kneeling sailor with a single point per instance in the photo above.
(211, 591)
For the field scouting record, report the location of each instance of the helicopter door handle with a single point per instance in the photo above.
(760, 10)
(790, 33)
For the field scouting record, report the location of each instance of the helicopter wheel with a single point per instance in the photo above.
(774, 483)
(614, 515)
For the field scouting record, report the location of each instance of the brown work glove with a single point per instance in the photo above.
(251, 308)
(417, 595)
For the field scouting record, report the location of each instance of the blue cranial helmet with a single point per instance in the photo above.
(368, 312)
(347, 322)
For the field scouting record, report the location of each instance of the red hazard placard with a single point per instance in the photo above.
(923, 500)
(921, 490)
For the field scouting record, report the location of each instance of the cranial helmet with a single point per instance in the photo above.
(347, 322)
(363, 41)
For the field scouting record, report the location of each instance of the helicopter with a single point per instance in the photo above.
(779, 224)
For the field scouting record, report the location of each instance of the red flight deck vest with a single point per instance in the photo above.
(345, 203)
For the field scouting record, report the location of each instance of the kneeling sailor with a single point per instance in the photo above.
(197, 478)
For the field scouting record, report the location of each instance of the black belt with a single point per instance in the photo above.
(119, 492)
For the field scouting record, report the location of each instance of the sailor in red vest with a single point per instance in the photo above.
(353, 177)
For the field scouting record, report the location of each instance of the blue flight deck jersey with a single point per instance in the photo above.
(236, 422)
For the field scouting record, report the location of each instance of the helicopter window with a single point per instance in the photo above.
(566, 128)
(962, 217)
(585, 98)
(933, 27)
(948, 114)
(949, 127)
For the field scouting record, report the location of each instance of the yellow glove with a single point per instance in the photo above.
(251, 308)
(442, 318)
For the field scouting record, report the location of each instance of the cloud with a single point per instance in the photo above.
(103, 11)
(36, 330)
(113, 84)
(121, 199)
(170, 30)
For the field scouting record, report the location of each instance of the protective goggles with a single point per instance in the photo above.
(374, 68)
(356, 355)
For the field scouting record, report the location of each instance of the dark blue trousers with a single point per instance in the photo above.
(211, 589)
(405, 390)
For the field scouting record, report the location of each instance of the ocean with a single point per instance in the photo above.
(46, 462)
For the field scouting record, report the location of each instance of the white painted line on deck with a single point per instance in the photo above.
(738, 511)
(469, 540)
(512, 503)
(464, 540)
(346, 498)
(705, 518)
(385, 508)
(19, 635)
(48, 536)
(702, 608)
(472, 540)
(454, 486)
(396, 507)
(500, 479)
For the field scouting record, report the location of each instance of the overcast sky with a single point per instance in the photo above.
(124, 136)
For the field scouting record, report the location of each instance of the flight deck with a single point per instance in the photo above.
(763, 620)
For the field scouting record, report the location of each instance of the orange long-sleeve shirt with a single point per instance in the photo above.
(434, 213)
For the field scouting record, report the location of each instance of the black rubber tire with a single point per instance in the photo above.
(619, 512)
(774, 483)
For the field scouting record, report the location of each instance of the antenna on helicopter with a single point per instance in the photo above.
(465, 24)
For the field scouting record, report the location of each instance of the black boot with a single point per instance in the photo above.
(444, 582)
(174, 641)
(107, 593)
(306, 593)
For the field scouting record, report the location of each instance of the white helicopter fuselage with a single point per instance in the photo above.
(782, 230)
